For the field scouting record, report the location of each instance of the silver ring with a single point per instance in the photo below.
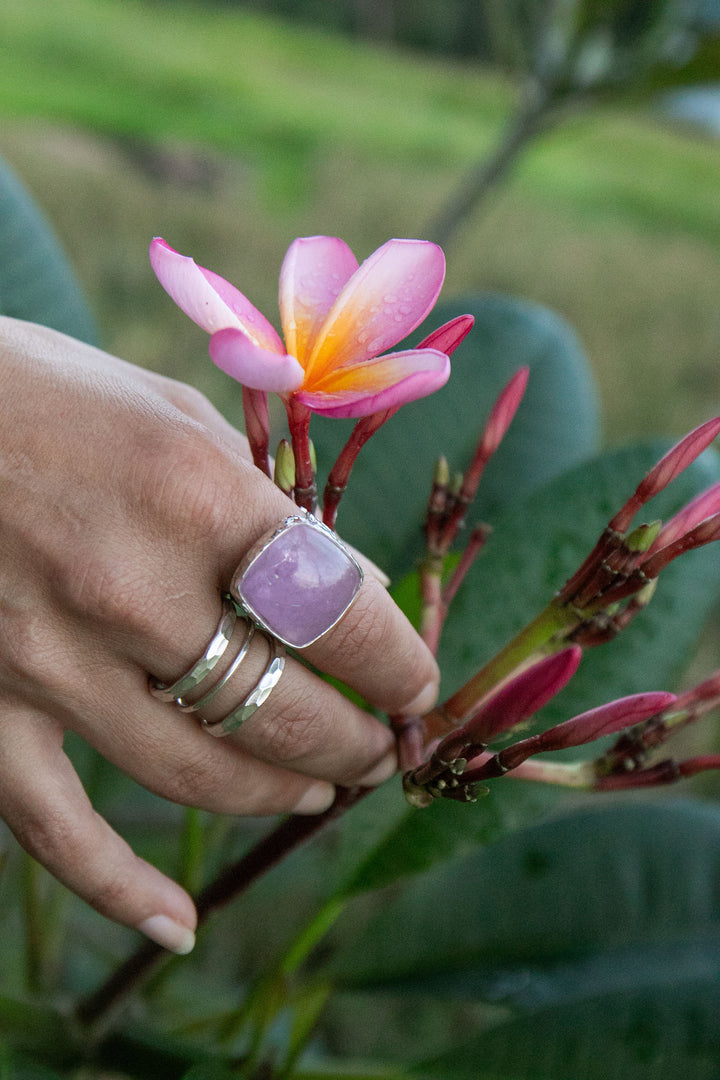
(183, 706)
(257, 696)
(202, 668)
(297, 581)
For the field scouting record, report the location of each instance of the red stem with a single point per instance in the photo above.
(257, 427)
(475, 544)
(299, 423)
(340, 473)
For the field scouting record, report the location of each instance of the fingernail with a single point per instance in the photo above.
(168, 933)
(316, 799)
(424, 700)
(381, 772)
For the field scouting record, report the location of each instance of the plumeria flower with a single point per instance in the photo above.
(338, 319)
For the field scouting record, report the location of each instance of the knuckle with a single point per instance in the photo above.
(65, 847)
(293, 735)
(31, 656)
(190, 782)
(48, 835)
(187, 399)
(370, 636)
(109, 592)
(188, 488)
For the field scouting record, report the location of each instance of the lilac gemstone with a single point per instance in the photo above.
(300, 584)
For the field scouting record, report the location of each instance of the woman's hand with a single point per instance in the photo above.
(126, 502)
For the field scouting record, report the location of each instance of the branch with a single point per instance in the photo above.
(290, 834)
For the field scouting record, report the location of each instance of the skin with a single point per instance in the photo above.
(126, 501)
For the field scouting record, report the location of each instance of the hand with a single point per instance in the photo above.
(126, 501)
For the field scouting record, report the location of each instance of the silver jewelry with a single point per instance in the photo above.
(202, 667)
(257, 696)
(297, 581)
(207, 698)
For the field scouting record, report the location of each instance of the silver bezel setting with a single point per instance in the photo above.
(303, 517)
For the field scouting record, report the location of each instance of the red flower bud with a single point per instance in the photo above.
(522, 696)
(670, 465)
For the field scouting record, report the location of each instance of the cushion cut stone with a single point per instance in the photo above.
(300, 584)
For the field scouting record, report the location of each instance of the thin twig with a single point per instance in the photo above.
(290, 834)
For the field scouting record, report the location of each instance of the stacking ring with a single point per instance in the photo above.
(257, 696)
(202, 667)
(207, 698)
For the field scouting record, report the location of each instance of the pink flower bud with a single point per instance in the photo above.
(448, 336)
(604, 720)
(703, 506)
(588, 726)
(704, 533)
(670, 465)
(503, 411)
(523, 696)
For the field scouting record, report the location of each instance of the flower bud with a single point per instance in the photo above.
(670, 465)
(285, 467)
(523, 696)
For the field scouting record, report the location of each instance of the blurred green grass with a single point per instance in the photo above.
(230, 133)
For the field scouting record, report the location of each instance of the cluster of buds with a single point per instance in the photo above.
(462, 759)
(619, 576)
(610, 588)
(633, 760)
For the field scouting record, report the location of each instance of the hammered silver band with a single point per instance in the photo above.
(176, 692)
(257, 696)
(184, 706)
(202, 667)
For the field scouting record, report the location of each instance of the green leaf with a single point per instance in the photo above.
(669, 1033)
(533, 549)
(18, 1067)
(212, 1071)
(36, 1031)
(536, 546)
(36, 282)
(556, 426)
(598, 933)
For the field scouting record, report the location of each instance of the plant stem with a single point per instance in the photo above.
(192, 848)
(299, 423)
(340, 473)
(230, 883)
(32, 914)
(525, 125)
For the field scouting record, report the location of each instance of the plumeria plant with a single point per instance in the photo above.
(339, 320)
(517, 920)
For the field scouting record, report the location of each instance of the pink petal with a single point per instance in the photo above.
(448, 336)
(384, 300)
(208, 299)
(388, 382)
(253, 366)
(314, 271)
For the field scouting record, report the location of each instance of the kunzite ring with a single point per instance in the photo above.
(298, 581)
